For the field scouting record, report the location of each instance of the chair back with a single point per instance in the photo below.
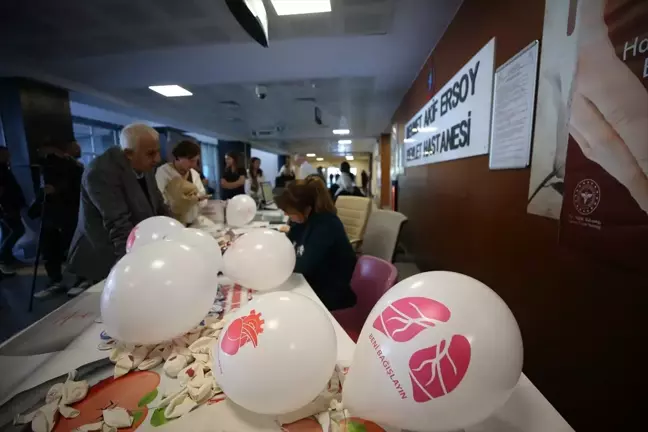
(353, 211)
(382, 233)
(372, 278)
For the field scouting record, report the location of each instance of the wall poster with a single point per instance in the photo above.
(514, 91)
(590, 156)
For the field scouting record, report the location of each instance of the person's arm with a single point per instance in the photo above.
(202, 193)
(162, 207)
(162, 180)
(233, 185)
(108, 195)
(319, 244)
(248, 186)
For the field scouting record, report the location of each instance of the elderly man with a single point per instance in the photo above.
(117, 192)
(304, 169)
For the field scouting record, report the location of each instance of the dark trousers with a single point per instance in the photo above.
(55, 244)
(12, 230)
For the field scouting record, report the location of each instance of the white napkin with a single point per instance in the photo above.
(117, 417)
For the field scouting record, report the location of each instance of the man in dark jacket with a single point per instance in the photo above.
(12, 201)
(62, 174)
(118, 191)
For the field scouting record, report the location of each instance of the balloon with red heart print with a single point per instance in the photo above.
(276, 354)
(439, 351)
(151, 230)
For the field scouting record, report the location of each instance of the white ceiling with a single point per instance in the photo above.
(355, 63)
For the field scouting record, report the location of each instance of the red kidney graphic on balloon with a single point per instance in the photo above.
(402, 320)
(131, 239)
(438, 370)
(241, 331)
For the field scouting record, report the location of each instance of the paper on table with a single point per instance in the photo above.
(513, 108)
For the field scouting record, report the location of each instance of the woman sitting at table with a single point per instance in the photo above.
(324, 255)
(233, 178)
(180, 183)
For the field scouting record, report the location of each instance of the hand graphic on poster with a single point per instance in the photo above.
(609, 112)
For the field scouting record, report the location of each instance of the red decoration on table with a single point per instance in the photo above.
(241, 331)
(405, 318)
(438, 370)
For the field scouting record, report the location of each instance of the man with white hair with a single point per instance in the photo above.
(118, 191)
(304, 169)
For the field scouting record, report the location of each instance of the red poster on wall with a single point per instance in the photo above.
(605, 204)
(596, 94)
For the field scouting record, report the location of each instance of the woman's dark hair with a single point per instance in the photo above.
(254, 173)
(302, 195)
(235, 160)
(345, 167)
(186, 149)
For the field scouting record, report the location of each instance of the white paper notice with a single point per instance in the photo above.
(513, 107)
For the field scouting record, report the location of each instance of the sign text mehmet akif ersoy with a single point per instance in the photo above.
(456, 122)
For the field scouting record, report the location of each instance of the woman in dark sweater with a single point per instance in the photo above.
(233, 178)
(324, 254)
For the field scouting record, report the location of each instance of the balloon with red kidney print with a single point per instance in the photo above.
(439, 351)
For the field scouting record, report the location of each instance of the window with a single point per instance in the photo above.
(209, 157)
(269, 164)
(94, 139)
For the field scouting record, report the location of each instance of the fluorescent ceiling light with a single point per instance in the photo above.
(319, 159)
(344, 142)
(415, 130)
(349, 157)
(300, 7)
(171, 90)
(341, 131)
(409, 140)
(311, 154)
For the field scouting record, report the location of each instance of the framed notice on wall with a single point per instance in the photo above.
(456, 122)
(513, 107)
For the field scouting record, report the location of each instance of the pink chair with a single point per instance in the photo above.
(371, 279)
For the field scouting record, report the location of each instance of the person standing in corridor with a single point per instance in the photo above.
(62, 174)
(12, 201)
(118, 191)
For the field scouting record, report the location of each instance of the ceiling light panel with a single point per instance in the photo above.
(171, 90)
(341, 131)
(300, 7)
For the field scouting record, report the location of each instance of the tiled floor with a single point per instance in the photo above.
(14, 301)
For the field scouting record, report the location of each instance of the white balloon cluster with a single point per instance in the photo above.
(177, 269)
(439, 351)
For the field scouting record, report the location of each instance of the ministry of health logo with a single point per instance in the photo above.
(587, 196)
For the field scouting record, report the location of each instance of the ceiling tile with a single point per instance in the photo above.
(180, 9)
(367, 23)
(208, 34)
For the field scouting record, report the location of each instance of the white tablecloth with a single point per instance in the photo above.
(526, 411)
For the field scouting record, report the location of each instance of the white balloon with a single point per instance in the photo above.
(203, 242)
(157, 292)
(150, 230)
(440, 351)
(240, 210)
(262, 259)
(276, 354)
